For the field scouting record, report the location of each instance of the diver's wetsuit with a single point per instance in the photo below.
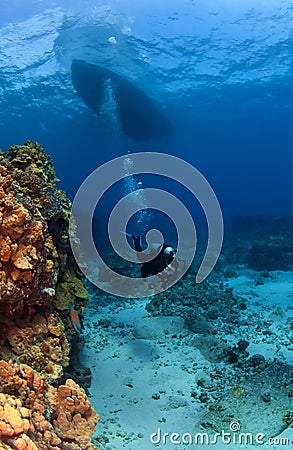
(157, 264)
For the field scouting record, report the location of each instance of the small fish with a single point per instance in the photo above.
(74, 319)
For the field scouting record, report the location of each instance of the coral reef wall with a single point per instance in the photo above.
(38, 277)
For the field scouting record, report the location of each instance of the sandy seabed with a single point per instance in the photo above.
(149, 380)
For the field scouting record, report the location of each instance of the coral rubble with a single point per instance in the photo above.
(38, 277)
(197, 306)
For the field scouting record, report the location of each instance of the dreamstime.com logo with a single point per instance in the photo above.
(232, 437)
(105, 176)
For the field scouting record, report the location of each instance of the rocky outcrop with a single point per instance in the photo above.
(38, 277)
(272, 253)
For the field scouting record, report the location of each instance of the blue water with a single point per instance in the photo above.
(222, 71)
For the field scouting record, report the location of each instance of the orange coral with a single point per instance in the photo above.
(14, 418)
(73, 416)
(22, 339)
(36, 261)
(22, 394)
(35, 254)
(23, 249)
(37, 416)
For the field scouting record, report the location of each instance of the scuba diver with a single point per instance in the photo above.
(160, 265)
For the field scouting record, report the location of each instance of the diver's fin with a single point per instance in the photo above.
(137, 242)
(126, 234)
